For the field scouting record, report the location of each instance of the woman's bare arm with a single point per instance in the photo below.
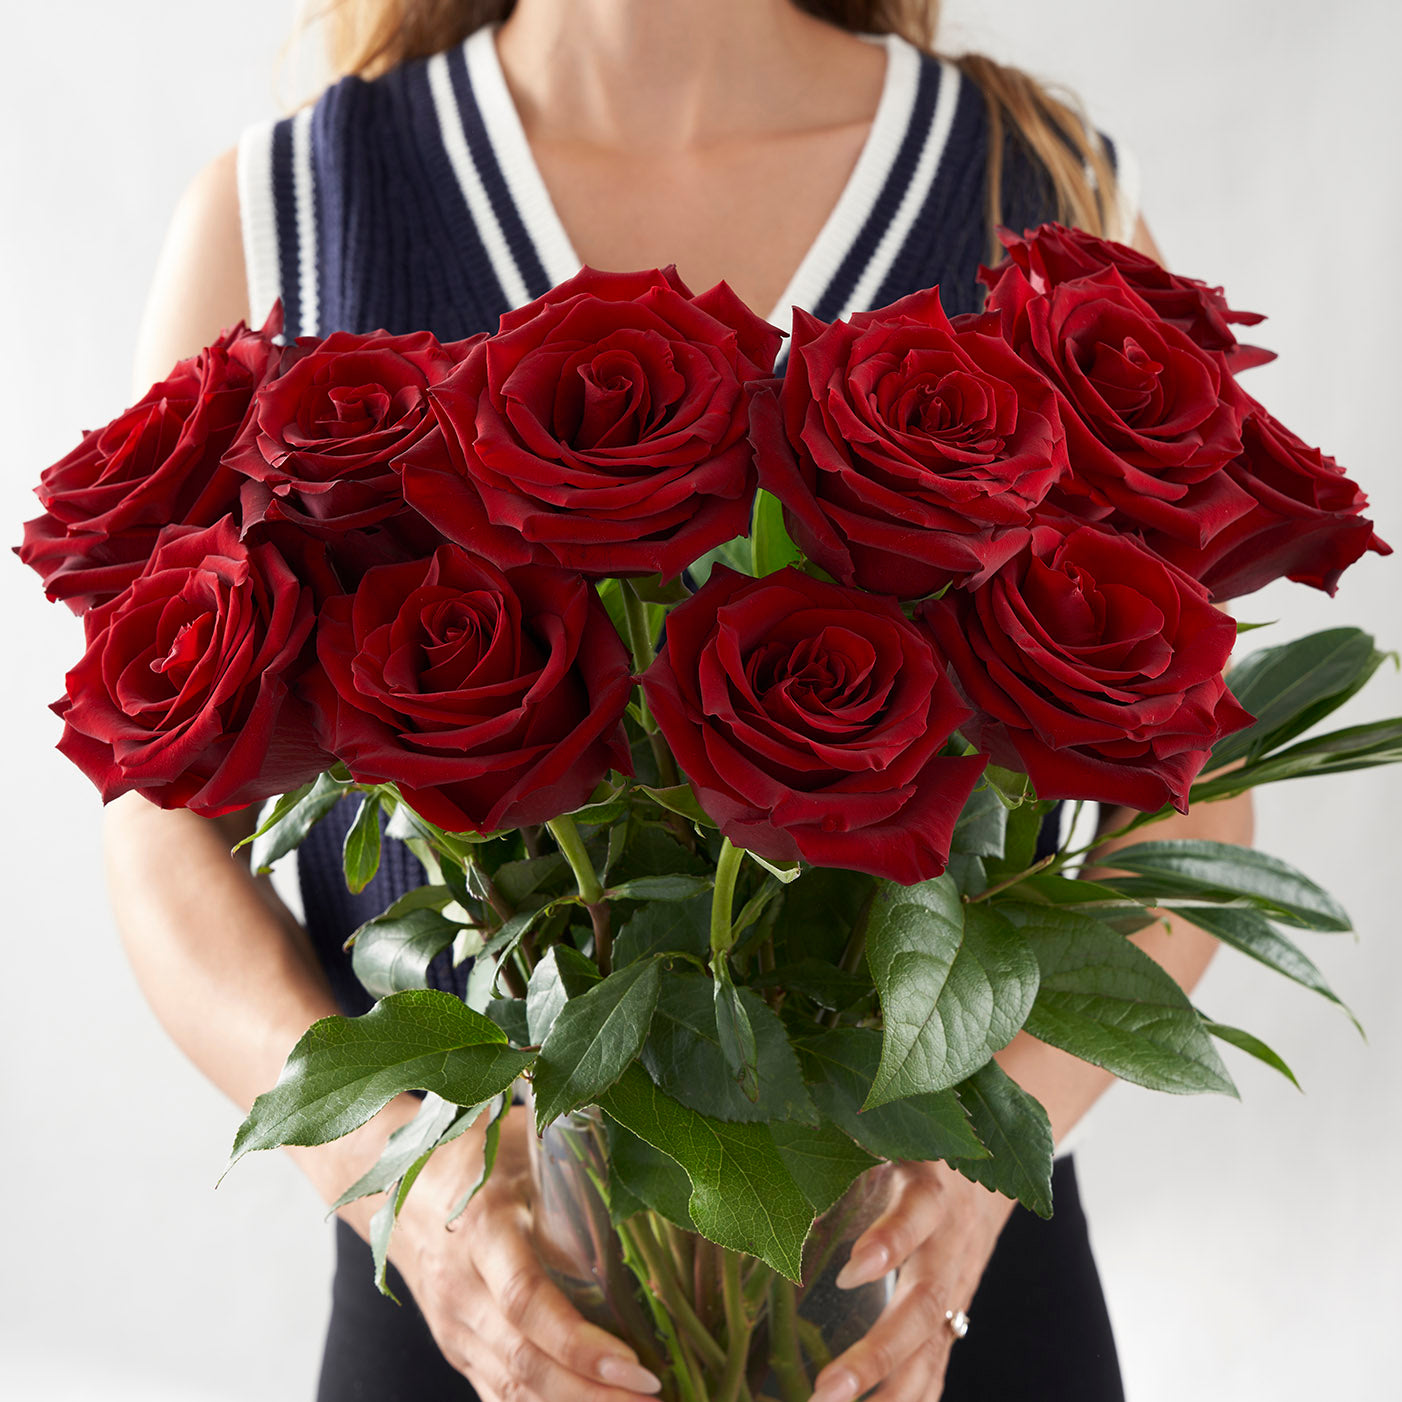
(221, 960)
(233, 978)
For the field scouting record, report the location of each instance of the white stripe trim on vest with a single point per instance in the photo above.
(304, 190)
(849, 215)
(440, 84)
(912, 201)
(258, 219)
(513, 152)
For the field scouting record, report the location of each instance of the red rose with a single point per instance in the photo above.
(1054, 254)
(1306, 523)
(1151, 419)
(157, 463)
(492, 698)
(603, 428)
(183, 693)
(1093, 666)
(324, 428)
(809, 718)
(910, 450)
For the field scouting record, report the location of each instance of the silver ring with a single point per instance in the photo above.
(958, 1322)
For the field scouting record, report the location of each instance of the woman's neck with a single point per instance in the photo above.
(670, 74)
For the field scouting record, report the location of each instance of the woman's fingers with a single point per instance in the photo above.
(524, 1370)
(918, 1205)
(528, 1300)
(913, 1319)
(919, 1379)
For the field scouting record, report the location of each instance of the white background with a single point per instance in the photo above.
(1250, 1250)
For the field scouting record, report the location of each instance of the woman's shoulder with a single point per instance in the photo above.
(369, 206)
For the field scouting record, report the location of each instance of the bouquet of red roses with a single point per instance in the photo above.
(727, 712)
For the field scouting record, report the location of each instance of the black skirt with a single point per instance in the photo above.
(1039, 1328)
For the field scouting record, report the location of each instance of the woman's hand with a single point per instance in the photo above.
(940, 1229)
(495, 1314)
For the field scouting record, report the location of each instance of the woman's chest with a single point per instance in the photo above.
(742, 212)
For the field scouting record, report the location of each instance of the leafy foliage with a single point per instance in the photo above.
(955, 981)
(1104, 1000)
(344, 1069)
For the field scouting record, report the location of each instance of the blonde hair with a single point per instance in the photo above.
(366, 37)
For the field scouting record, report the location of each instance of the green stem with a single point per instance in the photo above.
(1071, 828)
(737, 1329)
(689, 1384)
(756, 1284)
(603, 936)
(640, 644)
(857, 942)
(784, 1355)
(1013, 880)
(1139, 820)
(669, 1288)
(563, 830)
(723, 898)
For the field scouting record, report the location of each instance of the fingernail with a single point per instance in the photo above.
(864, 1266)
(619, 1372)
(839, 1387)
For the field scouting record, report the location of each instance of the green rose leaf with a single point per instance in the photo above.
(681, 798)
(285, 821)
(651, 1178)
(510, 1015)
(956, 982)
(1292, 687)
(393, 952)
(518, 881)
(662, 927)
(735, 553)
(344, 1069)
(437, 1122)
(360, 853)
(742, 1194)
(824, 983)
(818, 912)
(593, 1038)
(982, 825)
(1015, 1130)
(840, 1065)
(1252, 1046)
(1024, 826)
(1104, 1000)
(684, 1055)
(1337, 752)
(770, 545)
(490, 1140)
(660, 888)
(1250, 932)
(1222, 871)
(560, 974)
(822, 1160)
(735, 1033)
(654, 590)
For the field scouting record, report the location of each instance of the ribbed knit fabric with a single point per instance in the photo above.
(412, 202)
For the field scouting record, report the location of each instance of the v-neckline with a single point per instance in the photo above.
(834, 239)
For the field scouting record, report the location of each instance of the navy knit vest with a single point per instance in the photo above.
(412, 202)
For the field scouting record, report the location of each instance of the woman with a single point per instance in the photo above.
(760, 141)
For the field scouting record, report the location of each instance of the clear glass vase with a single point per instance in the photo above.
(715, 1325)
